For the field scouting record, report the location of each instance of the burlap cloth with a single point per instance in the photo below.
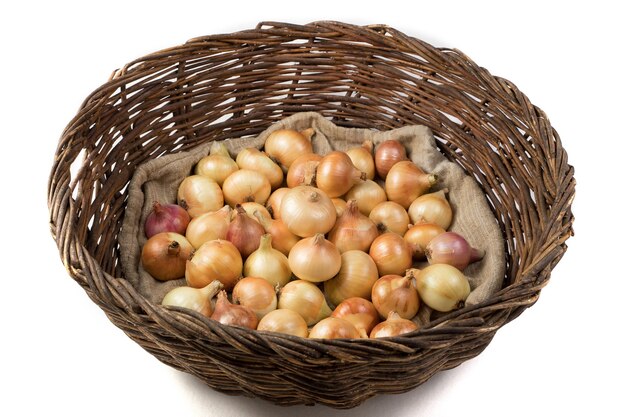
(158, 180)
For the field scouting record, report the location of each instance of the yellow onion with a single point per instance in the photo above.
(406, 181)
(164, 255)
(336, 174)
(232, 314)
(255, 160)
(340, 205)
(196, 299)
(362, 159)
(250, 207)
(256, 294)
(353, 230)
(315, 259)
(334, 328)
(214, 260)
(302, 170)
(285, 145)
(388, 153)
(355, 278)
(395, 293)
(393, 326)
(282, 239)
(268, 263)
(390, 217)
(246, 185)
(358, 311)
(305, 299)
(198, 195)
(208, 226)
(391, 254)
(418, 237)
(442, 287)
(307, 210)
(431, 208)
(274, 201)
(218, 165)
(284, 321)
(368, 195)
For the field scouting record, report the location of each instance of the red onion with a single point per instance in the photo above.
(387, 154)
(166, 218)
(244, 232)
(452, 249)
(233, 314)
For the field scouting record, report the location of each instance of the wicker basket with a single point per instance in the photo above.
(234, 85)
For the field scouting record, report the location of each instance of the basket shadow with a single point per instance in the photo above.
(385, 404)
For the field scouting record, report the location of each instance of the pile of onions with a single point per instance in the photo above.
(275, 237)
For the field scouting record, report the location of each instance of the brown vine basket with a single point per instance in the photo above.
(234, 85)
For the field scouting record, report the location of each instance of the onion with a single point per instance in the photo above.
(255, 160)
(340, 205)
(214, 260)
(431, 208)
(406, 181)
(196, 299)
(388, 153)
(393, 326)
(307, 210)
(282, 239)
(334, 328)
(250, 207)
(257, 294)
(302, 170)
(166, 218)
(233, 314)
(244, 232)
(336, 174)
(390, 217)
(246, 185)
(353, 230)
(305, 299)
(284, 321)
(358, 311)
(218, 165)
(208, 226)
(368, 195)
(418, 237)
(315, 259)
(355, 278)
(198, 195)
(452, 249)
(164, 256)
(273, 203)
(442, 287)
(395, 293)
(362, 159)
(285, 145)
(391, 254)
(268, 263)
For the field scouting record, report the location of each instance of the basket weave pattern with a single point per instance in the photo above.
(234, 85)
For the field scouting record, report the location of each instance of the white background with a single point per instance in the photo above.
(59, 355)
